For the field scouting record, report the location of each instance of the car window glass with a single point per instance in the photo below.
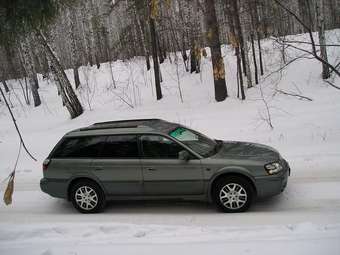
(80, 147)
(120, 146)
(196, 141)
(155, 146)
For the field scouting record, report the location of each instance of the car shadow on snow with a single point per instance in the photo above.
(187, 207)
(271, 204)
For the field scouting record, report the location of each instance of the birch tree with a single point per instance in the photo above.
(213, 40)
(27, 58)
(320, 12)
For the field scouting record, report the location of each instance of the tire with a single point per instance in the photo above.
(87, 197)
(233, 194)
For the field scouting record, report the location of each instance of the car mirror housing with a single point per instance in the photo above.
(184, 155)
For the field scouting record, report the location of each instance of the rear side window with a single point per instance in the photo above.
(80, 147)
(120, 146)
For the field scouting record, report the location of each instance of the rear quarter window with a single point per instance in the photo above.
(79, 147)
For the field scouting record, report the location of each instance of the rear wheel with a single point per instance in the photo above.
(87, 197)
(233, 194)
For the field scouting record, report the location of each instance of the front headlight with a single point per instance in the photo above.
(273, 168)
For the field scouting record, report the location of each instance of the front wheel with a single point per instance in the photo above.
(87, 197)
(233, 194)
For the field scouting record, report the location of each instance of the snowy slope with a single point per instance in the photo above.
(304, 219)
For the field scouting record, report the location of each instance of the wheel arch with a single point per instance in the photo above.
(228, 172)
(76, 179)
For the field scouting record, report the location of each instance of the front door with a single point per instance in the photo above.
(164, 174)
(118, 166)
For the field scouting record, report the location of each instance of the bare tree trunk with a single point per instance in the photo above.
(239, 71)
(35, 78)
(5, 86)
(320, 12)
(239, 32)
(247, 62)
(29, 68)
(254, 58)
(213, 39)
(243, 36)
(69, 97)
(143, 38)
(258, 35)
(260, 52)
(155, 58)
(76, 77)
(236, 44)
(159, 48)
(72, 32)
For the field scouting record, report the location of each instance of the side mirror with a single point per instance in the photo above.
(184, 155)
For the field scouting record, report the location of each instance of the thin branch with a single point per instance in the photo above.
(334, 86)
(285, 65)
(122, 99)
(16, 126)
(336, 66)
(268, 119)
(293, 14)
(309, 30)
(294, 95)
(304, 42)
(282, 42)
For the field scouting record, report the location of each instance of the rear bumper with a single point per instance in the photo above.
(54, 187)
(268, 186)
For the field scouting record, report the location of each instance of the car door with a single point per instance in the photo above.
(164, 173)
(118, 166)
(74, 156)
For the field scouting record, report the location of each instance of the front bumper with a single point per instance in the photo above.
(272, 185)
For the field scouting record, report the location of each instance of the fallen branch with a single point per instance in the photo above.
(294, 95)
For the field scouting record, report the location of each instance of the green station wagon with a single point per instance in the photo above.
(155, 159)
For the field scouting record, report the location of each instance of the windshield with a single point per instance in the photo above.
(199, 143)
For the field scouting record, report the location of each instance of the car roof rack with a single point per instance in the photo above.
(108, 127)
(125, 121)
(155, 124)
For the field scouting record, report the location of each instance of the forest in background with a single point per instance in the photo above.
(93, 32)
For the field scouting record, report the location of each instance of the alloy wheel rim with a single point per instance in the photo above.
(233, 196)
(86, 198)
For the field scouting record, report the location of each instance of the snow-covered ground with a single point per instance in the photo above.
(304, 219)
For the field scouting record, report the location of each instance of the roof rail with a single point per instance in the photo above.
(124, 121)
(106, 127)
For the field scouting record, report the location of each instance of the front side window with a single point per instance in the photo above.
(199, 143)
(159, 147)
(120, 146)
(79, 147)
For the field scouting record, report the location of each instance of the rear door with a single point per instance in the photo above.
(74, 157)
(118, 166)
(164, 173)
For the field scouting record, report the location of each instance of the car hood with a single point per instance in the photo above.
(253, 151)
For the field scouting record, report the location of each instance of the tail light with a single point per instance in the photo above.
(45, 164)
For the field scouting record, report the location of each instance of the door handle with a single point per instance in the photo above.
(152, 169)
(98, 168)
